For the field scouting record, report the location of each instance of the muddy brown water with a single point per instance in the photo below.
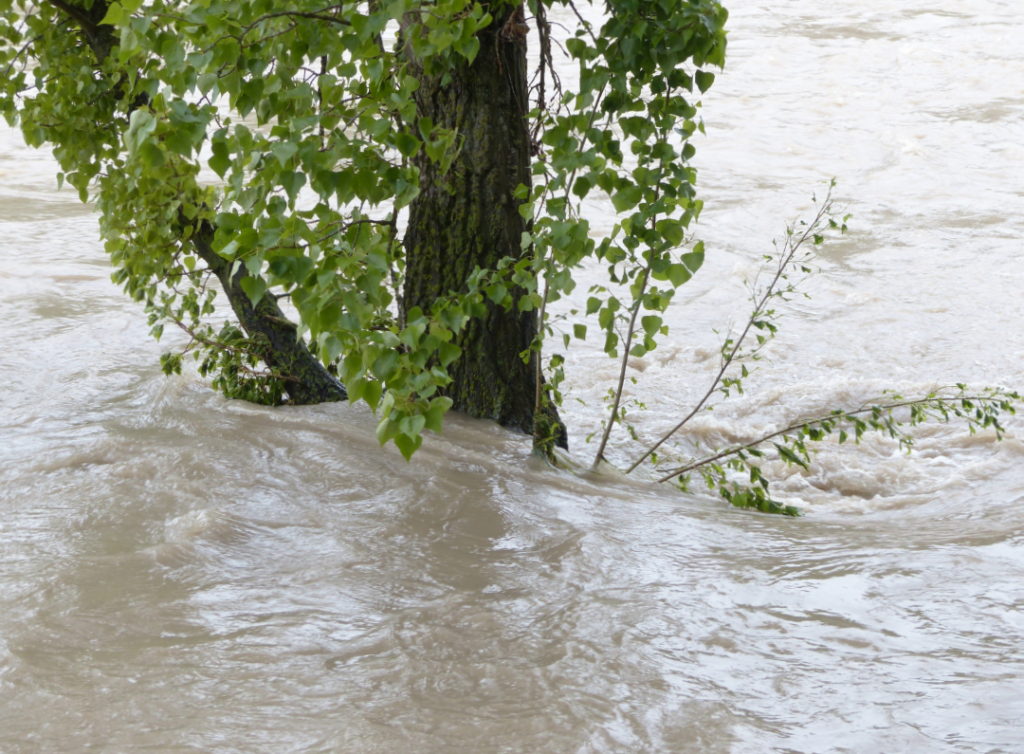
(182, 573)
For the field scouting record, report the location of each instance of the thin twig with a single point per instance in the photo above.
(197, 338)
(28, 44)
(314, 15)
(625, 363)
(834, 416)
(540, 368)
(758, 310)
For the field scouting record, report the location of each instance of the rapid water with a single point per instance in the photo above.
(183, 573)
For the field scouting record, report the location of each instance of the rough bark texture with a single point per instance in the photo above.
(470, 217)
(100, 38)
(306, 380)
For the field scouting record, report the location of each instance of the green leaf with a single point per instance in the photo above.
(140, 125)
(407, 144)
(448, 352)
(435, 414)
(254, 288)
(386, 430)
(469, 49)
(695, 259)
(385, 364)
(179, 141)
(221, 160)
(407, 445)
(789, 456)
(151, 155)
(356, 387)
(292, 183)
(582, 186)
(113, 15)
(580, 331)
(435, 418)
(426, 126)
(331, 348)
(651, 324)
(704, 80)
(671, 230)
(284, 151)
(372, 393)
(627, 198)
(678, 274)
(497, 293)
(411, 426)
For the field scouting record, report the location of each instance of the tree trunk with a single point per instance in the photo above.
(470, 217)
(306, 380)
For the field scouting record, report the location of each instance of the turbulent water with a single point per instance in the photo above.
(183, 573)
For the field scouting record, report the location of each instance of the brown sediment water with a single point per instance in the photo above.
(179, 572)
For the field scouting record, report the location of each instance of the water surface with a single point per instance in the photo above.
(183, 573)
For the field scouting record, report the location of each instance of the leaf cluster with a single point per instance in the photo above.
(277, 143)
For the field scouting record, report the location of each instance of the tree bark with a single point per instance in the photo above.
(101, 39)
(305, 379)
(470, 217)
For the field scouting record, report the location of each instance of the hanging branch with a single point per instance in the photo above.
(547, 64)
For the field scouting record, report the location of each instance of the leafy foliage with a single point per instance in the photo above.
(635, 98)
(735, 472)
(273, 147)
(273, 144)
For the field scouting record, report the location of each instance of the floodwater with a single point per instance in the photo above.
(181, 573)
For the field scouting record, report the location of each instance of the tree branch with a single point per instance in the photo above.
(758, 310)
(932, 400)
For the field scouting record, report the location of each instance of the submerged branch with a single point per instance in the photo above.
(978, 410)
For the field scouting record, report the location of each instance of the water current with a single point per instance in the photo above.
(181, 573)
